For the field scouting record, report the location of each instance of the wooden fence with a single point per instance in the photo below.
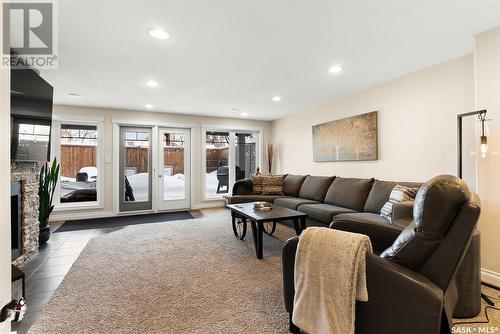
(217, 158)
(174, 157)
(73, 158)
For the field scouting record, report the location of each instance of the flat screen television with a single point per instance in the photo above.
(31, 116)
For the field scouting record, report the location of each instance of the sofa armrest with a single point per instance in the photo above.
(399, 299)
(288, 262)
(390, 281)
(402, 212)
(243, 187)
(381, 236)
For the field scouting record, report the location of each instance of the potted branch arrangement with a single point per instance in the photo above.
(270, 155)
(47, 186)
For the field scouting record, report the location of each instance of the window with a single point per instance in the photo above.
(78, 159)
(216, 166)
(245, 155)
(228, 156)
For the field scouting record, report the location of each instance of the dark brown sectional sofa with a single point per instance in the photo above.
(327, 199)
(354, 205)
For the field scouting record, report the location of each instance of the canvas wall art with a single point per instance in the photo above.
(348, 139)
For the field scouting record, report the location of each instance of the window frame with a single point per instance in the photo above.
(56, 153)
(231, 157)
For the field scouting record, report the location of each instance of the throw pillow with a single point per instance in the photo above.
(257, 184)
(398, 194)
(272, 184)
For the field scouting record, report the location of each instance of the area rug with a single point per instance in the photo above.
(190, 276)
(89, 224)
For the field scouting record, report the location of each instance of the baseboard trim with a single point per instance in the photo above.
(209, 205)
(58, 216)
(490, 277)
(80, 215)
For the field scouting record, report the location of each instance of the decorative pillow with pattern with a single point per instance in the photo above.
(257, 184)
(272, 184)
(398, 194)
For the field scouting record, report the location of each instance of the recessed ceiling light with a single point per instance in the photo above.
(276, 98)
(151, 83)
(74, 96)
(244, 114)
(334, 69)
(158, 33)
(149, 106)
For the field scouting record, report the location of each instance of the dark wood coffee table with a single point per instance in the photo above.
(263, 221)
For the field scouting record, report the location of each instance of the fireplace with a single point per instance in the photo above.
(16, 219)
(24, 206)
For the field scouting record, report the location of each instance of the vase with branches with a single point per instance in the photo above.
(46, 189)
(270, 155)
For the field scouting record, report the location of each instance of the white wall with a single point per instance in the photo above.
(5, 252)
(487, 77)
(71, 112)
(417, 126)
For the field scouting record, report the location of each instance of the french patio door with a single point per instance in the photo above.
(174, 170)
(135, 169)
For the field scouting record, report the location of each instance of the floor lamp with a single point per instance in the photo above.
(481, 115)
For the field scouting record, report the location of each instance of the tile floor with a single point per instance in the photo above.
(47, 270)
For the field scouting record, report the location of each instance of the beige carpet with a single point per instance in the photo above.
(489, 317)
(188, 276)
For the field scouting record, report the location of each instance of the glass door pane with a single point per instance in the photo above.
(174, 180)
(174, 169)
(216, 166)
(245, 155)
(135, 169)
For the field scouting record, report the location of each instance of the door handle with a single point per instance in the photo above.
(160, 176)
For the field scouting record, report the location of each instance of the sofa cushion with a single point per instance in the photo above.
(382, 233)
(243, 187)
(349, 193)
(252, 198)
(380, 192)
(257, 184)
(322, 212)
(315, 187)
(292, 184)
(293, 202)
(402, 213)
(398, 194)
(272, 184)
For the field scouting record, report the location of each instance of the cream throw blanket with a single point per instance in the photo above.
(329, 277)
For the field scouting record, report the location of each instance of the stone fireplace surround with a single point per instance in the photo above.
(27, 172)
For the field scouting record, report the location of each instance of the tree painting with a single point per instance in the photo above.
(348, 139)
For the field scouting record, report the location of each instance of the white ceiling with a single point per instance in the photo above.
(225, 55)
